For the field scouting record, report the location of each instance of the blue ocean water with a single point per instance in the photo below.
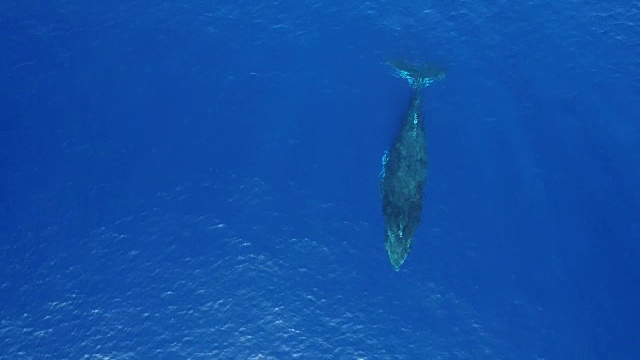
(199, 180)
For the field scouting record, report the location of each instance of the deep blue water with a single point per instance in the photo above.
(200, 180)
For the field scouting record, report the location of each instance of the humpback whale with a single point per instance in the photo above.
(404, 166)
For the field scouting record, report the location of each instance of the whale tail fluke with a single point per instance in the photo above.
(419, 76)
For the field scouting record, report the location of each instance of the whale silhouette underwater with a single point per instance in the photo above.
(404, 166)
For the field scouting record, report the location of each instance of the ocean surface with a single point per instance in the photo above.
(200, 180)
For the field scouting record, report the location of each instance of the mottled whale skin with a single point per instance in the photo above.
(404, 167)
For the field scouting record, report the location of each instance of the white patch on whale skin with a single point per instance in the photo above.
(385, 158)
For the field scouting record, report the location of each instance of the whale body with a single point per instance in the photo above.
(404, 167)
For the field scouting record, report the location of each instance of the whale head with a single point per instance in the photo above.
(398, 245)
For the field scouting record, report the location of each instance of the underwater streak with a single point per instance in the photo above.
(404, 167)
